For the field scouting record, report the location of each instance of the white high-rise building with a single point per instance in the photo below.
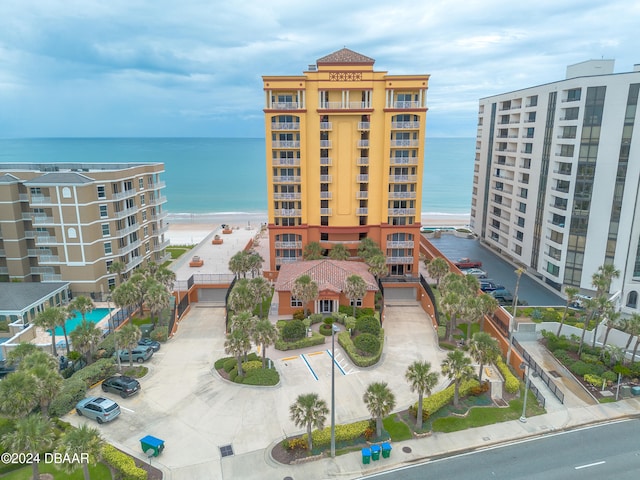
(557, 178)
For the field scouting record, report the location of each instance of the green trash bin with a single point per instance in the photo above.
(386, 450)
(152, 446)
(375, 452)
(366, 455)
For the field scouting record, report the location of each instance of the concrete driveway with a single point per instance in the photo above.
(187, 404)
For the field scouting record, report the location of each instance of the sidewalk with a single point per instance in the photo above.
(258, 465)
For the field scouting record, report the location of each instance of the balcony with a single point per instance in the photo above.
(400, 244)
(23, 197)
(128, 248)
(288, 244)
(362, 178)
(324, 126)
(286, 179)
(285, 144)
(405, 143)
(409, 104)
(127, 211)
(285, 126)
(402, 194)
(345, 106)
(283, 260)
(405, 125)
(126, 194)
(325, 195)
(51, 277)
(325, 211)
(399, 212)
(325, 143)
(161, 246)
(285, 162)
(288, 212)
(362, 161)
(399, 260)
(362, 195)
(42, 271)
(159, 216)
(325, 178)
(325, 160)
(48, 259)
(40, 199)
(403, 178)
(45, 240)
(287, 196)
(362, 211)
(133, 263)
(42, 220)
(363, 143)
(285, 106)
(364, 125)
(403, 160)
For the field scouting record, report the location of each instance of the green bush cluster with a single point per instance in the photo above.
(107, 344)
(345, 341)
(368, 325)
(442, 332)
(293, 330)
(298, 315)
(594, 380)
(97, 371)
(325, 329)
(344, 433)
(313, 340)
(316, 318)
(262, 377)
(435, 402)
(4, 326)
(581, 368)
(367, 344)
(251, 365)
(588, 358)
(73, 390)
(123, 464)
(511, 382)
(160, 333)
(360, 312)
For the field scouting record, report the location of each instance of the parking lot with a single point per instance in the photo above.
(498, 270)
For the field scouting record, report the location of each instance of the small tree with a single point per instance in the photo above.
(309, 411)
(437, 269)
(81, 440)
(84, 305)
(239, 264)
(44, 370)
(457, 367)
(85, 338)
(157, 298)
(484, 349)
(17, 397)
(339, 252)
(261, 290)
(237, 343)
(422, 380)
(312, 251)
(571, 293)
(264, 334)
(355, 288)
(49, 319)
(379, 400)
(129, 336)
(34, 435)
(242, 298)
(305, 290)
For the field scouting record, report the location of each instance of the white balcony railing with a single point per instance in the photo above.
(325, 125)
(402, 194)
(362, 178)
(288, 212)
(403, 160)
(286, 179)
(285, 162)
(403, 178)
(399, 260)
(283, 260)
(325, 160)
(362, 161)
(288, 244)
(405, 143)
(287, 196)
(405, 125)
(325, 211)
(394, 212)
(285, 126)
(400, 244)
(285, 105)
(325, 179)
(362, 195)
(285, 144)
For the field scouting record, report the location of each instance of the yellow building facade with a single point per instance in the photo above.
(345, 154)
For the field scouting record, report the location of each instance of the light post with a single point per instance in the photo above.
(512, 320)
(115, 335)
(523, 417)
(334, 329)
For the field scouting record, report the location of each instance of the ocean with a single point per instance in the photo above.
(227, 175)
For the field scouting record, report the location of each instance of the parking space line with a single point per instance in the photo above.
(127, 409)
(336, 362)
(289, 358)
(309, 366)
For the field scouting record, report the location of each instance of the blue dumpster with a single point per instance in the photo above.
(635, 390)
(366, 455)
(152, 446)
(375, 452)
(386, 450)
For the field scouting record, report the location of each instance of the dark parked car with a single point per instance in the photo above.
(147, 342)
(487, 285)
(502, 295)
(99, 409)
(122, 385)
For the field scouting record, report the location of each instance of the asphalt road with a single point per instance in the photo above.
(610, 451)
(497, 269)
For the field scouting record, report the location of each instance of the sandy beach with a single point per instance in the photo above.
(187, 229)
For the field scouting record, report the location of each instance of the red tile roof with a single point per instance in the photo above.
(345, 56)
(328, 274)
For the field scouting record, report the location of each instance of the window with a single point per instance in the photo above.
(519, 235)
(632, 299)
(108, 264)
(522, 207)
(107, 248)
(144, 215)
(103, 211)
(553, 269)
(147, 248)
(518, 250)
(111, 283)
(357, 301)
(105, 230)
(531, 117)
(295, 302)
(573, 95)
(571, 113)
(520, 222)
(66, 192)
(71, 233)
(141, 183)
(101, 192)
(142, 199)
(146, 231)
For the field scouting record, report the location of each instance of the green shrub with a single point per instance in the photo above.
(160, 333)
(4, 326)
(325, 329)
(350, 323)
(262, 376)
(293, 330)
(123, 464)
(307, 323)
(313, 340)
(622, 370)
(343, 433)
(73, 390)
(97, 371)
(588, 358)
(368, 325)
(298, 314)
(581, 368)
(316, 318)
(610, 376)
(251, 365)
(511, 382)
(345, 341)
(229, 364)
(563, 356)
(107, 345)
(594, 380)
(442, 332)
(367, 344)
(435, 402)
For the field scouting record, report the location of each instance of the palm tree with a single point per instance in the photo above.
(378, 265)
(611, 321)
(17, 397)
(339, 252)
(571, 293)
(81, 440)
(488, 305)
(422, 380)
(241, 298)
(632, 327)
(34, 435)
(309, 411)
(82, 304)
(239, 264)
(368, 248)
(157, 298)
(44, 369)
(129, 336)
(261, 289)
(594, 307)
(437, 269)
(305, 290)
(166, 277)
(484, 349)
(254, 263)
(117, 268)
(18, 354)
(354, 288)
(450, 305)
(85, 338)
(379, 400)
(264, 334)
(49, 319)
(125, 295)
(67, 313)
(457, 367)
(312, 251)
(602, 281)
(237, 344)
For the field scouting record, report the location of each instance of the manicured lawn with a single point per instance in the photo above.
(97, 472)
(397, 429)
(177, 252)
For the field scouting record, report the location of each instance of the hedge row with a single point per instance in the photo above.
(435, 402)
(511, 382)
(313, 340)
(344, 433)
(123, 464)
(344, 339)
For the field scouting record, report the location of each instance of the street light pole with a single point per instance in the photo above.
(523, 417)
(334, 329)
(512, 320)
(115, 335)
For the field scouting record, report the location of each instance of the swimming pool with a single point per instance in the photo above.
(94, 316)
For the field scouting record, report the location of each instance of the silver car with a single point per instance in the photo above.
(99, 409)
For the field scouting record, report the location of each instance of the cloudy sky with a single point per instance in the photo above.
(192, 68)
